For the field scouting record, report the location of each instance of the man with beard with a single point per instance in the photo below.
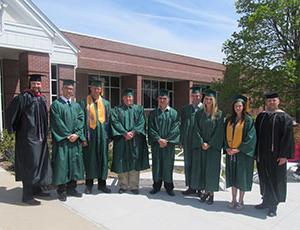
(275, 144)
(27, 116)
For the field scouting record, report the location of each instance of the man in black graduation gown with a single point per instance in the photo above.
(27, 116)
(275, 144)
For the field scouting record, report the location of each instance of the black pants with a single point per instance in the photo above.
(30, 190)
(90, 182)
(71, 185)
(157, 185)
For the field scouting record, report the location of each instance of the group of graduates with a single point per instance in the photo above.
(81, 133)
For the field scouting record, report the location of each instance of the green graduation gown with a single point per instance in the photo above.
(95, 155)
(67, 160)
(186, 134)
(132, 154)
(207, 163)
(239, 167)
(163, 124)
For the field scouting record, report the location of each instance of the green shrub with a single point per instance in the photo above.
(7, 145)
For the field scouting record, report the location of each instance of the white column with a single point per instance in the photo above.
(1, 96)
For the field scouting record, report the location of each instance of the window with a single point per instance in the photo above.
(54, 83)
(150, 90)
(112, 87)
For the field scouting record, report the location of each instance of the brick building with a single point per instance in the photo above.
(31, 43)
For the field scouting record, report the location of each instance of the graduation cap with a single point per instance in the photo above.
(35, 77)
(128, 92)
(210, 93)
(196, 89)
(163, 92)
(68, 82)
(271, 94)
(240, 98)
(97, 82)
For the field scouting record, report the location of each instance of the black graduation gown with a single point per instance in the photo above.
(274, 140)
(27, 116)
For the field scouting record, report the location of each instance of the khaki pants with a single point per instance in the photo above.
(129, 180)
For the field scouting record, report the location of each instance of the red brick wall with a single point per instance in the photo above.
(82, 86)
(31, 63)
(182, 94)
(11, 83)
(64, 72)
(105, 55)
(134, 82)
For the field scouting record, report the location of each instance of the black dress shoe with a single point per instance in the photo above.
(189, 191)
(104, 189)
(260, 206)
(74, 193)
(272, 211)
(62, 196)
(154, 191)
(122, 190)
(170, 192)
(203, 197)
(32, 202)
(135, 191)
(88, 190)
(210, 200)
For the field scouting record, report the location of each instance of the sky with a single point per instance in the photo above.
(194, 28)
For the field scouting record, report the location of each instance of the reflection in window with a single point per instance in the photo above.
(112, 87)
(150, 92)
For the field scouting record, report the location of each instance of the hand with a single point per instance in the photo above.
(234, 151)
(128, 136)
(73, 137)
(84, 144)
(205, 146)
(229, 151)
(162, 143)
(281, 161)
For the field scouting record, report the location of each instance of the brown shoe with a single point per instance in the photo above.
(32, 202)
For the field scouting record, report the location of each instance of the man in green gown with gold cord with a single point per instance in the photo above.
(95, 150)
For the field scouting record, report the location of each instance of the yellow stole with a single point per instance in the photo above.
(234, 137)
(91, 113)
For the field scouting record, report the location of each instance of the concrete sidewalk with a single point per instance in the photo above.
(127, 211)
(50, 215)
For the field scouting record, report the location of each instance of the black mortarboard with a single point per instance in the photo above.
(68, 82)
(97, 83)
(196, 89)
(241, 98)
(35, 77)
(128, 92)
(210, 93)
(163, 92)
(271, 95)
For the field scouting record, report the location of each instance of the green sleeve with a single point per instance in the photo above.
(182, 125)
(197, 138)
(153, 134)
(139, 126)
(225, 137)
(116, 126)
(58, 129)
(249, 138)
(174, 134)
(217, 138)
(79, 129)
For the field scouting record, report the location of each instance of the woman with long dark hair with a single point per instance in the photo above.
(240, 143)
